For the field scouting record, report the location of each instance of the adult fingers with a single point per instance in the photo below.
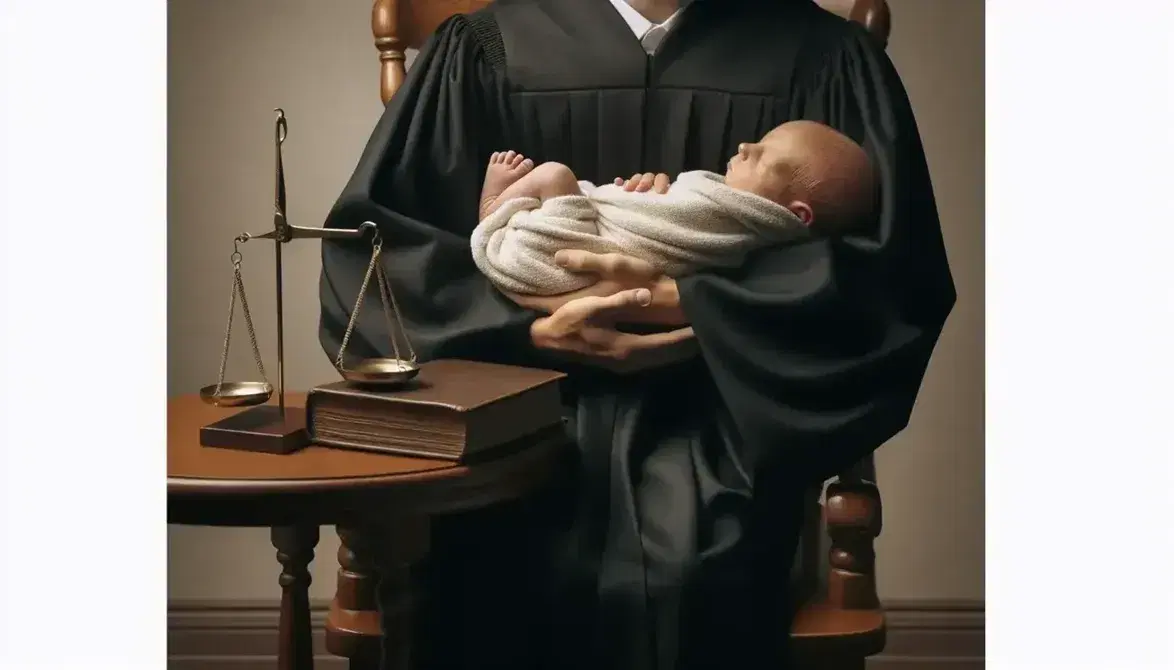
(633, 343)
(588, 342)
(572, 316)
(600, 340)
(620, 346)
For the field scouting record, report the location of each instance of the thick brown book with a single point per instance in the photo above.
(454, 409)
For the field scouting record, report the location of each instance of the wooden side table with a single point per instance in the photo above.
(381, 505)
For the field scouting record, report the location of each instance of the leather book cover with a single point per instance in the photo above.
(453, 409)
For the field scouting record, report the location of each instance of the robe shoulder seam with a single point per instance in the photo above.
(487, 34)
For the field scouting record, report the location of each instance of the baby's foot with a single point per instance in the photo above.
(505, 169)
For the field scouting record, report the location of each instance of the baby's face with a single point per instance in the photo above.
(764, 167)
(801, 165)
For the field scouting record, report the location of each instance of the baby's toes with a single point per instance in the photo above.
(516, 159)
(526, 165)
(495, 157)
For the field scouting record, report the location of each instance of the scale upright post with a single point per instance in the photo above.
(267, 428)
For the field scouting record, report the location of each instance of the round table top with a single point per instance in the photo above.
(194, 469)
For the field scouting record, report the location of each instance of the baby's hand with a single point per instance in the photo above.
(640, 183)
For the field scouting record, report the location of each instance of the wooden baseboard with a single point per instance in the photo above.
(933, 635)
(240, 635)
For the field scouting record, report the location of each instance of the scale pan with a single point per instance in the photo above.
(237, 394)
(380, 372)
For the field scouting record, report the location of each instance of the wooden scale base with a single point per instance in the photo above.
(261, 429)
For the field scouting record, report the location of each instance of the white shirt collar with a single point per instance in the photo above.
(650, 34)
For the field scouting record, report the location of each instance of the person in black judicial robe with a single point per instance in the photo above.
(687, 513)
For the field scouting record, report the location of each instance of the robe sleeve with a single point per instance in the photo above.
(818, 350)
(419, 179)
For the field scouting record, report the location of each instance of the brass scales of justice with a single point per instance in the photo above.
(278, 428)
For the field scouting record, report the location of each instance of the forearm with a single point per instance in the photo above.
(580, 364)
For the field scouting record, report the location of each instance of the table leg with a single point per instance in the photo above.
(370, 618)
(295, 549)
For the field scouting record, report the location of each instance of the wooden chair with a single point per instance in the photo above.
(839, 622)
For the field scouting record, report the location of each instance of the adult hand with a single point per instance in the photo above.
(630, 272)
(577, 329)
(640, 183)
(615, 273)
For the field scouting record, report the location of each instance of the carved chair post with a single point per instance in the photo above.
(385, 26)
(853, 516)
(874, 15)
(370, 620)
(352, 626)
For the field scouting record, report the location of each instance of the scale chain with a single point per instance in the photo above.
(227, 338)
(386, 294)
(238, 287)
(387, 297)
(381, 282)
(350, 326)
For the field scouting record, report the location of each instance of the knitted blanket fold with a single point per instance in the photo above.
(700, 222)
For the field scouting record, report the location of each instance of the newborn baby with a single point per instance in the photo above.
(801, 179)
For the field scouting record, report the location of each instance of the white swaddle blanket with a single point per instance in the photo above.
(699, 222)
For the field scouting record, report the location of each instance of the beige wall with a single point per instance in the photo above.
(232, 61)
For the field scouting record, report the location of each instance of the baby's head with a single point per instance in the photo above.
(821, 175)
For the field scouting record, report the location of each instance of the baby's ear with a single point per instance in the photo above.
(803, 211)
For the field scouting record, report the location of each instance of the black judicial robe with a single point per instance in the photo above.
(686, 515)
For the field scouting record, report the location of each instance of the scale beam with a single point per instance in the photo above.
(287, 233)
